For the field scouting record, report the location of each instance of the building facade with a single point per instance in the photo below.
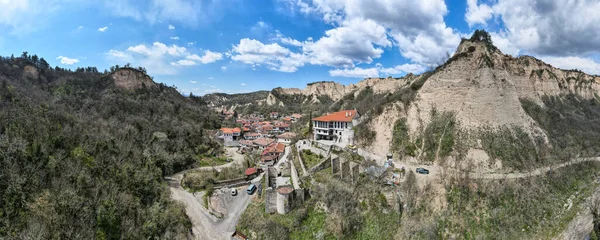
(336, 127)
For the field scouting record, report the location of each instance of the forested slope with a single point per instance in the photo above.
(84, 159)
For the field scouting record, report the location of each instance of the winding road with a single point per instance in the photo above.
(204, 224)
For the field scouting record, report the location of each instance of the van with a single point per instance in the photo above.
(251, 189)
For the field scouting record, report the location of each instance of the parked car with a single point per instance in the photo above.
(422, 171)
(233, 191)
(251, 189)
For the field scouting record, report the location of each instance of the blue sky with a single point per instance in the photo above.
(236, 46)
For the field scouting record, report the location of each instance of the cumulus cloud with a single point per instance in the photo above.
(103, 29)
(355, 72)
(274, 56)
(292, 42)
(160, 58)
(171, 27)
(243, 84)
(477, 14)
(223, 68)
(175, 38)
(587, 65)
(67, 61)
(550, 28)
(416, 26)
(208, 57)
(194, 82)
(354, 41)
(376, 71)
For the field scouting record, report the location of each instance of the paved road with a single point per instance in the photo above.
(205, 225)
(435, 170)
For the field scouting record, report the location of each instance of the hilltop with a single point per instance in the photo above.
(83, 152)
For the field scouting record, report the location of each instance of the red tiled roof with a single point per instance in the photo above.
(250, 171)
(263, 141)
(268, 158)
(246, 142)
(282, 125)
(246, 129)
(296, 115)
(287, 135)
(231, 130)
(274, 148)
(341, 116)
(252, 134)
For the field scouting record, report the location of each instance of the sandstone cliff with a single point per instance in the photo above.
(131, 79)
(483, 87)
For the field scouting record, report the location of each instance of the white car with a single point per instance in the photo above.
(233, 191)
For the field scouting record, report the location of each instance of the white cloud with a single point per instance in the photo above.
(355, 72)
(353, 42)
(289, 41)
(211, 78)
(274, 56)
(194, 82)
(171, 27)
(376, 71)
(183, 62)
(208, 57)
(67, 61)
(404, 68)
(224, 68)
(587, 65)
(550, 28)
(175, 38)
(417, 26)
(79, 27)
(103, 29)
(243, 84)
(191, 43)
(159, 58)
(477, 14)
(158, 49)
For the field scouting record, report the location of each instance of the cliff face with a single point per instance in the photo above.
(483, 87)
(131, 79)
(336, 91)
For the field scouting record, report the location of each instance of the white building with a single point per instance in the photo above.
(230, 134)
(336, 126)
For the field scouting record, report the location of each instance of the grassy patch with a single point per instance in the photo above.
(212, 161)
(310, 159)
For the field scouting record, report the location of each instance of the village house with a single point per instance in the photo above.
(286, 138)
(336, 127)
(262, 143)
(281, 127)
(272, 153)
(274, 115)
(229, 134)
(252, 136)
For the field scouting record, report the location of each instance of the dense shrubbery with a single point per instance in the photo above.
(529, 208)
(439, 134)
(572, 124)
(82, 160)
(514, 147)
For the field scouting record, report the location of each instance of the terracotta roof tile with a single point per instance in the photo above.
(341, 116)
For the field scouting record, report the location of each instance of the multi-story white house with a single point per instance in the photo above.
(230, 134)
(336, 126)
